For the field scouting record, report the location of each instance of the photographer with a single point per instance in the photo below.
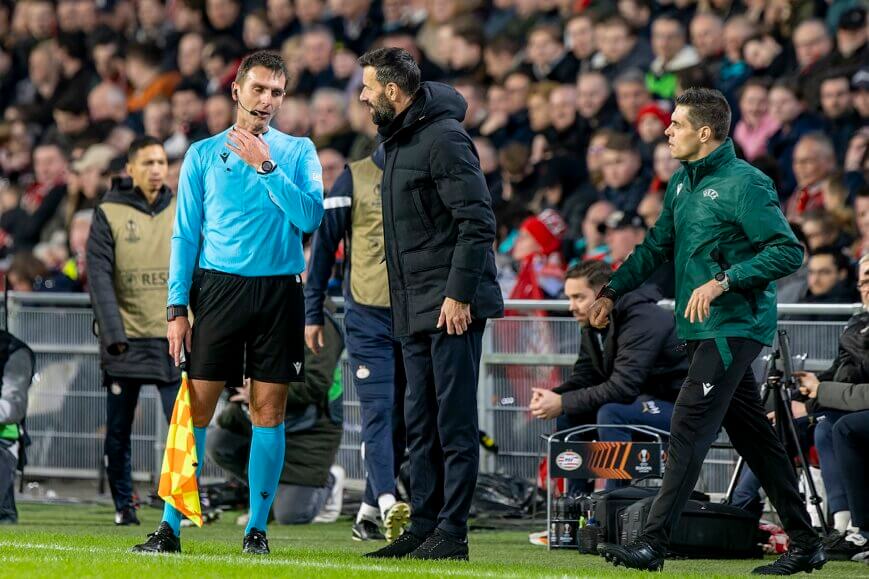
(627, 373)
(16, 370)
(837, 397)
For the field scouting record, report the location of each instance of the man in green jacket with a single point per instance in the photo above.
(722, 226)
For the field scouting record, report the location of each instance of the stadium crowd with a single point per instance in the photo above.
(567, 101)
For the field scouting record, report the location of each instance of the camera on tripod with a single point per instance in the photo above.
(782, 375)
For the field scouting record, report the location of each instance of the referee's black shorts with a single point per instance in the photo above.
(255, 322)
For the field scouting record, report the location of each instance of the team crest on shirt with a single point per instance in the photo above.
(711, 193)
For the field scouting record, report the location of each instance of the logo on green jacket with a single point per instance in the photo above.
(711, 193)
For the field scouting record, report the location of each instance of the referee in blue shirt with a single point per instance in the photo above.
(245, 197)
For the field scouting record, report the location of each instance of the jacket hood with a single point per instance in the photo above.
(124, 192)
(434, 101)
(646, 293)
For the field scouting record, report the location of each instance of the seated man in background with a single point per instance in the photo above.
(627, 373)
(310, 488)
(835, 398)
(829, 282)
(16, 369)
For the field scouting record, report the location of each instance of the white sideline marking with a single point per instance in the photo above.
(247, 560)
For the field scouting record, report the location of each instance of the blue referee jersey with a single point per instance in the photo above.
(239, 221)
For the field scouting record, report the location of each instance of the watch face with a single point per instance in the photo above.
(719, 276)
(267, 166)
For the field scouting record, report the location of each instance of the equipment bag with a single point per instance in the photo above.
(607, 506)
(705, 530)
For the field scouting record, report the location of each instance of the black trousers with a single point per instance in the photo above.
(121, 401)
(8, 465)
(850, 439)
(721, 390)
(440, 412)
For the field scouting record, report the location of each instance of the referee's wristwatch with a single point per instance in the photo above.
(723, 280)
(267, 167)
(173, 312)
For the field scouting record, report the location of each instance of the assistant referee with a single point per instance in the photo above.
(244, 199)
(722, 226)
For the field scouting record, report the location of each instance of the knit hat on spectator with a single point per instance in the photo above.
(547, 229)
(853, 18)
(97, 156)
(653, 109)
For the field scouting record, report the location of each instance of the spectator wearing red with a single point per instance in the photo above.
(537, 251)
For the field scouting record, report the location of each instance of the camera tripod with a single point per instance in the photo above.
(781, 385)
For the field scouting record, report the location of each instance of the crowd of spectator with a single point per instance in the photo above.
(567, 100)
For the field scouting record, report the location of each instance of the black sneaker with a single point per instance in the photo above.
(396, 520)
(255, 543)
(638, 554)
(439, 545)
(795, 560)
(163, 540)
(126, 517)
(842, 547)
(403, 546)
(367, 530)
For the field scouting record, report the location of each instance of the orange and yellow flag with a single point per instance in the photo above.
(178, 485)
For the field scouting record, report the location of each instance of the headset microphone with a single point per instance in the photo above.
(253, 112)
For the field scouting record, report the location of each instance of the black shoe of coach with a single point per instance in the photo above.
(440, 546)
(638, 554)
(438, 223)
(403, 546)
(163, 540)
(796, 560)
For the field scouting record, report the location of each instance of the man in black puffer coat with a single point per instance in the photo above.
(439, 231)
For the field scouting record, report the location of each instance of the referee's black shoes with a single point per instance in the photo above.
(638, 554)
(403, 546)
(795, 560)
(255, 543)
(163, 540)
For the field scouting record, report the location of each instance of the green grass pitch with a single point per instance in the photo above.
(60, 541)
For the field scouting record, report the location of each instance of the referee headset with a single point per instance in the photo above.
(237, 98)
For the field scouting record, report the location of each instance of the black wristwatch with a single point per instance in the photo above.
(267, 167)
(173, 312)
(607, 292)
(723, 280)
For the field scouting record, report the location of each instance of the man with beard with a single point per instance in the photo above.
(439, 230)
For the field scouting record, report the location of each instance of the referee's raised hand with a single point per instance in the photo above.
(179, 333)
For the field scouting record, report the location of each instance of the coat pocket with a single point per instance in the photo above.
(421, 213)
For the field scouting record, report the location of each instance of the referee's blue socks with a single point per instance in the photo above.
(171, 515)
(264, 472)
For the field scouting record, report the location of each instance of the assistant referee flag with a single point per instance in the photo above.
(178, 485)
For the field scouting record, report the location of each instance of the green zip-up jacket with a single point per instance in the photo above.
(720, 214)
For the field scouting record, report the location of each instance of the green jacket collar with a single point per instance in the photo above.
(696, 170)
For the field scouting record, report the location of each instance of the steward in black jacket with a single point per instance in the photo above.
(128, 277)
(437, 215)
(635, 354)
(128, 268)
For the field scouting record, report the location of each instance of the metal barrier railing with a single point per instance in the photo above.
(67, 408)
